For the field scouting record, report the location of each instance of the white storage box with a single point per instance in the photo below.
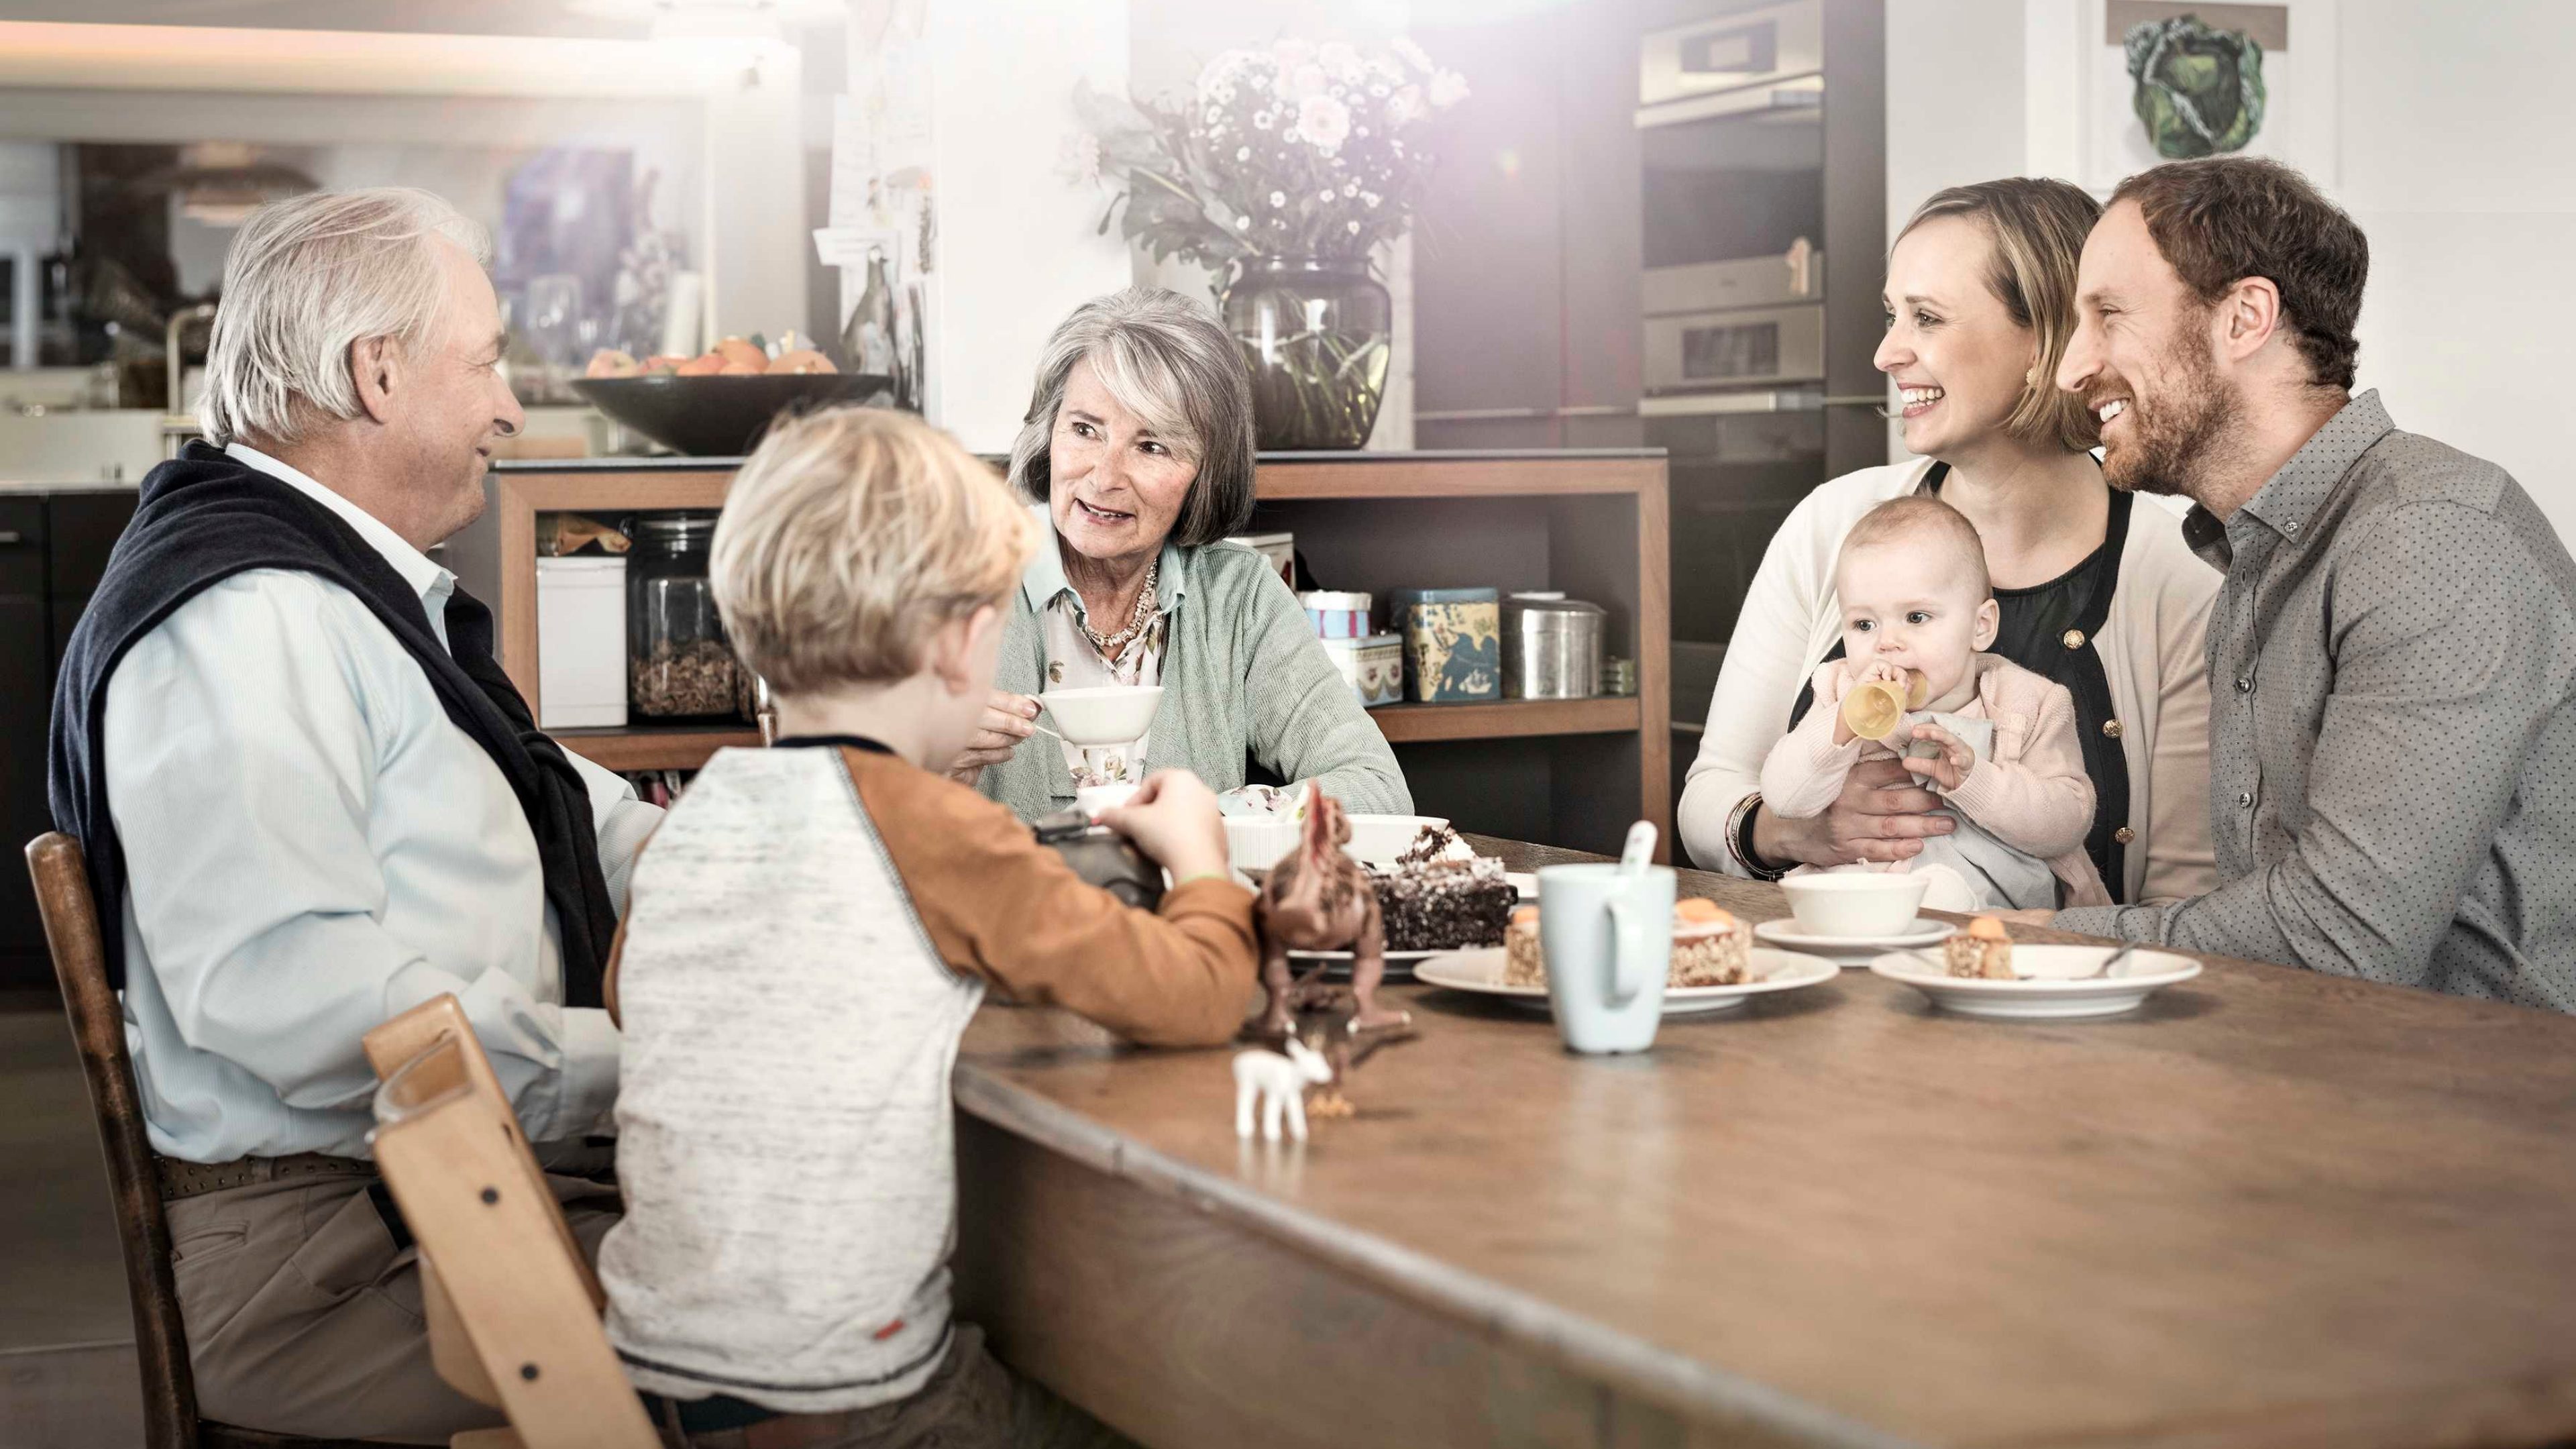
(581, 642)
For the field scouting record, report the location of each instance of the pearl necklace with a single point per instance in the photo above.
(1112, 645)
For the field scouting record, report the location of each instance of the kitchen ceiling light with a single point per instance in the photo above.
(694, 19)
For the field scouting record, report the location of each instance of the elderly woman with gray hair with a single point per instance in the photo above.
(1138, 448)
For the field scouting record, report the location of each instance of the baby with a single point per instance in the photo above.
(1995, 740)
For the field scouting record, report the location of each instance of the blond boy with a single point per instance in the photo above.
(809, 933)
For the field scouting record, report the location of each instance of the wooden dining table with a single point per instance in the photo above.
(2270, 1207)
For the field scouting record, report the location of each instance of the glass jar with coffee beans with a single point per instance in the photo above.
(680, 668)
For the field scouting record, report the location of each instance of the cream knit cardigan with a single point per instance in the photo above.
(2154, 649)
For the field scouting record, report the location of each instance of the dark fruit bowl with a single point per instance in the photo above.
(722, 417)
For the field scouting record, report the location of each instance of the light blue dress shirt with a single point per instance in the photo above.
(313, 847)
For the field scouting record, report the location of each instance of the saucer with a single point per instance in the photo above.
(1851, 951)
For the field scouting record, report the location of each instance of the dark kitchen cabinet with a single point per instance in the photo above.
(52, 549)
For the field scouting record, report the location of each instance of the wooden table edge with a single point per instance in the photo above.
(1571, 1340)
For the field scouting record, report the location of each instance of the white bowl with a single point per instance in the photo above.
(1861, 903)
(1379, 839)
(1109, 714)
(1255, 842)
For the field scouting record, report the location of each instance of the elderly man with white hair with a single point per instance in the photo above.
(311, 800)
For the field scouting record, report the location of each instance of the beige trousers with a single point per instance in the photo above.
(303, 1317)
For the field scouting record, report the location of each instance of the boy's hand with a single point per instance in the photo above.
(1008, 719)
(1949, 769)
(1173, 818)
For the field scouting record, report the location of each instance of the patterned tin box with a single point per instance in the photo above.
(1453, 646)
(1374, 665)
(1336, 615)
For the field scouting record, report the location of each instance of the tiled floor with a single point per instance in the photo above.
(66, 1343)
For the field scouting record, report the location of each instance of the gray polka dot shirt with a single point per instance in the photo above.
(2392, 670)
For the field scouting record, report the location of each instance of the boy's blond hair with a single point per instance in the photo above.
(849, 537)
(1922, 518)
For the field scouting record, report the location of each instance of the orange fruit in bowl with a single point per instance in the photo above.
(610, 362)
(803, 359)
(706, 364)
(740, 369)
(739, 353)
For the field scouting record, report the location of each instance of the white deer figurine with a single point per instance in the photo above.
(1280, 1083)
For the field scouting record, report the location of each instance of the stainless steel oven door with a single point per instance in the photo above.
(1798, 276)
(1747, 48)
(1747, 348)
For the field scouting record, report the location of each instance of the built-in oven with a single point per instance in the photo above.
(1752, 347)
(1731, 138)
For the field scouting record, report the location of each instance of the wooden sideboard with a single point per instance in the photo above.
(1592, 523)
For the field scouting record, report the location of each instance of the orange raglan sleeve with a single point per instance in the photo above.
(1003, 908)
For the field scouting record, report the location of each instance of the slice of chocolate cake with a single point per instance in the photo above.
(1441, 896)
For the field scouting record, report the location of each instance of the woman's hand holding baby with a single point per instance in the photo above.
(1173, 818)
(1949, 769)
(1883, 814)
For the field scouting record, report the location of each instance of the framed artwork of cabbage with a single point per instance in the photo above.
(2172, 80)
(2199, 88)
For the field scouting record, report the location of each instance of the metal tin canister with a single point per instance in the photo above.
(1452, 644)
(1551, 647)
(1337, 615)
(1373, 665)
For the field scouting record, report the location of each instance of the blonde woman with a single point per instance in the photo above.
(2096, 589)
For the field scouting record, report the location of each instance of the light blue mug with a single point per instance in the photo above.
(1608, 939)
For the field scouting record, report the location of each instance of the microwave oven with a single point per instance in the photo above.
(1746, 347)
(1684, 64)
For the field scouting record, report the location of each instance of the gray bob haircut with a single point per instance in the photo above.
(307, 279)
(1166, 360)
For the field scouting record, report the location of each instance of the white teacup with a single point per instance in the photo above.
(1857, 903)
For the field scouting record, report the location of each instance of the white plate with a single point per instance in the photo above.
(1344, 957)
(2046, 990)
(1524, 882)
(1851, 951)
(1482, 973)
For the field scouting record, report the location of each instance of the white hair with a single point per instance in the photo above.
(309, 278)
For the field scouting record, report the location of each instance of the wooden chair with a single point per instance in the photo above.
(134, 1184)
(513, 1305)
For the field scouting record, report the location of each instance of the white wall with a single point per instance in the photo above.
(2451, 152)
(1015, 245)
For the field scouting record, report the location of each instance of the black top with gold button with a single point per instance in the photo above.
(2049, 629)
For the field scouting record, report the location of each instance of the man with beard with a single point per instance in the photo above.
(2393, 655)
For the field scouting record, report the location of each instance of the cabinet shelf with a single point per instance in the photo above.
(1404, 724)
(685, 747)
(654, 747)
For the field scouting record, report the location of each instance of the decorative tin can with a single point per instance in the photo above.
(1337, 616)
(1551, 647)
(1374, 665)
(1279, 548)
(1453, 648)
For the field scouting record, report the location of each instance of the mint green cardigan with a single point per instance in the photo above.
(1244, 677)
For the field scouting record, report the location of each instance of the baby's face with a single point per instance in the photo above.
(1910, 603)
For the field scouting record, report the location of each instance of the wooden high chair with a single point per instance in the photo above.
(513, 1306)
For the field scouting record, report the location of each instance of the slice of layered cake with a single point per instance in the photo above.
(1522, 963)
(1982, 950)
(1441, 896)
(1710, 946)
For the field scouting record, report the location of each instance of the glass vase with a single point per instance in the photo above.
(1315, 335)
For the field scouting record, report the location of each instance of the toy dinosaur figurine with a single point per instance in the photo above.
(1317, 898)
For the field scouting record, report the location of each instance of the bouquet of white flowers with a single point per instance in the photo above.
(1296, 149)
